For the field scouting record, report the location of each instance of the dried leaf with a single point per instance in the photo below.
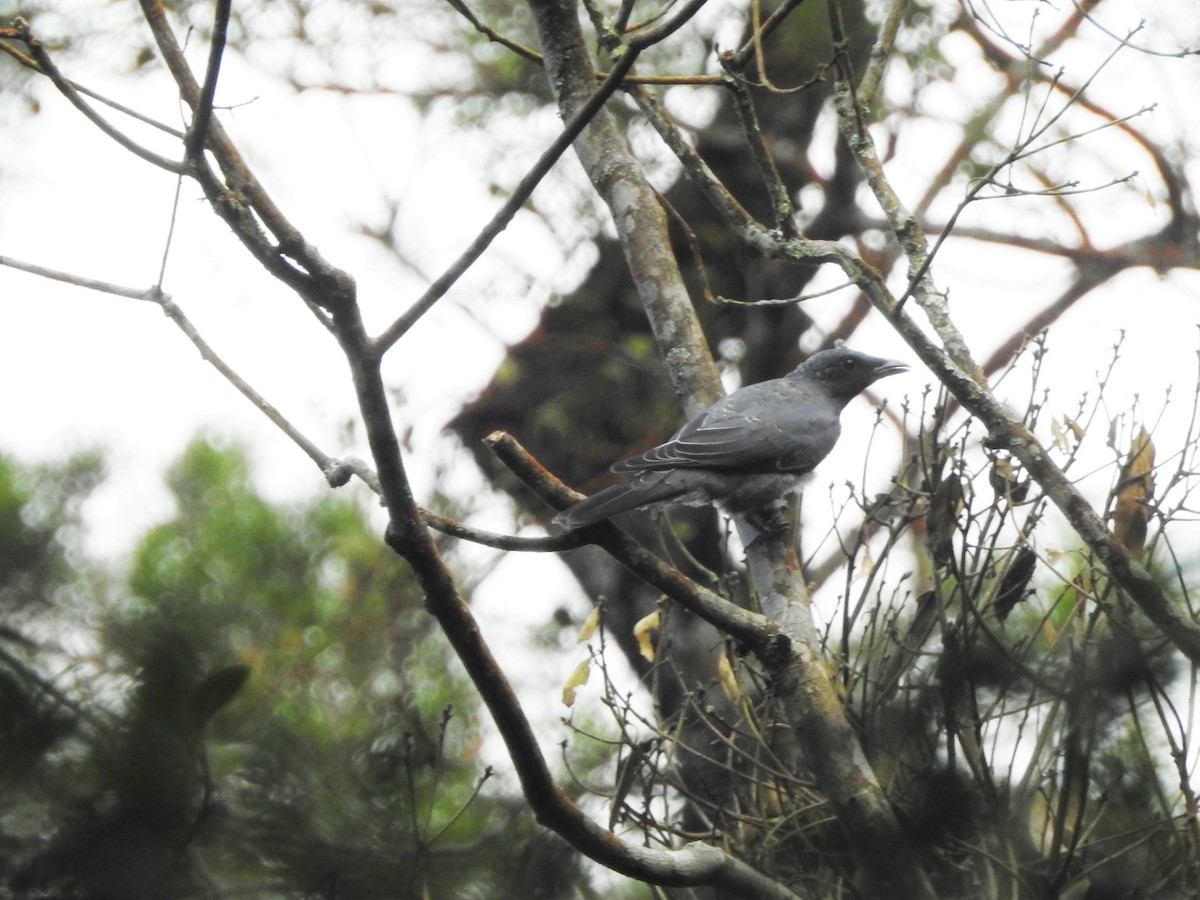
(908, 646)
(628, 770)
(1060, 436)
(1134, 492)
(1004, 481)
(1015, 582)
(942, 517)
(590, 624)
(643, 631)
(729, 679)
(1000, 476)
(1113, 427)
(577, 680)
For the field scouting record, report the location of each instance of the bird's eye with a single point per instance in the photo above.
(848, 363)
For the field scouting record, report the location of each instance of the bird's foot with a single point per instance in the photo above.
(769, 521)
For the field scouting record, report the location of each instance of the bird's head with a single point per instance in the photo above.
(845, 373)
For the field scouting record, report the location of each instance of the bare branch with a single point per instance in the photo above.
(756, 632)
(753, 48)
(243, 202)
(641, 39)
(955, 368)
(617, 176)
(493, 35)
(696, 168)
(204, 104)
(881, 52)
(457, 529)
(694, 864)
(524, 189)
(46, 65)
(91, 284)
(921, 258)
(29, 63)
(336, 471)
(781, 200)
(1085, 10)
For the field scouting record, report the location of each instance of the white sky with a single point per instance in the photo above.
(79, 368)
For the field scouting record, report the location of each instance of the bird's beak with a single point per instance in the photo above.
(890, 367)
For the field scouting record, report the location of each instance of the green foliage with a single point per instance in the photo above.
(263, 707)
(39, 513)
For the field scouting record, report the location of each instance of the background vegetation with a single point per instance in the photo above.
(971, 673)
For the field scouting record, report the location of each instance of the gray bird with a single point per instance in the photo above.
(748, 449)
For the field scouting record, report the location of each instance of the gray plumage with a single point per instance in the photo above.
(748, 449)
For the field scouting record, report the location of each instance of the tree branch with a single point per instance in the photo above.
(641, 222)
(881, 52)
(803, 682)
(194, 144)
(961, 375)
(694, 864)
(67, 88)
(523, 191)
(754, 631)
(241, 199)
(29, 63)
(336, 471)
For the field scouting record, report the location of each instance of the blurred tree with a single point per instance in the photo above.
(262, 708)
(994, 706)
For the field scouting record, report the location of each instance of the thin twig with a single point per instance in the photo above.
(694, 166)
(927, 254)
(785, 301)
(505, 214)
(204, 105)
(454, 528)
(752, 629)
(66, 88)
(1084, 9)
(324, 462)
(242, 201)
(493, 35)
(640, 40)
(753, 46)
(780, 198)
(29, 63)
(881, 52)
(336, 471)
(91, 284)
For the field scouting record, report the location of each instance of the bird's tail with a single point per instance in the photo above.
(641, 490)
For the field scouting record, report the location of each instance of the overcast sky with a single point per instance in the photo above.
(80, 368)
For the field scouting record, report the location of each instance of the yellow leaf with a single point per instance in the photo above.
(1060, 437)
(577, 680)
(729, 680)
(643, 632)
(589, 625)
(866, 565)
(1134, 491)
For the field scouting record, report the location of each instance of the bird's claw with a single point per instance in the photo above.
(769, 522)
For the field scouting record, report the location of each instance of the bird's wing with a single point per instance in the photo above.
(776, 425)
